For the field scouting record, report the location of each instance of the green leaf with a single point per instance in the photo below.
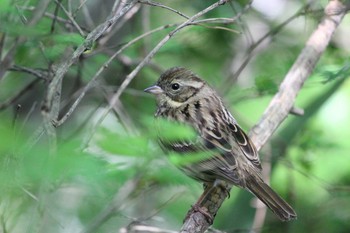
(68, 38)
(123, 144)
(173, 131)
(266, 85)
(189, 158)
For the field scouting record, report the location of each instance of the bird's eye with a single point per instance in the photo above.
(175, 86)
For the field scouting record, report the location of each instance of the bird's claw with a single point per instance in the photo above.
(197, 208)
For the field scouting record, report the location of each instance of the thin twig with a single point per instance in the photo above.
(81, 5)
(6, 62)
(28, 115)
(55, 18)
(52, 16)
(88, 19)
(41, 74)
(224, 20)
(199, 22)
(2, 42)
(218, 20)
(70, 17)
(233, 77)
(109, 34)
(124, 117)
(115, 9)
(146, 26)
(157, 4)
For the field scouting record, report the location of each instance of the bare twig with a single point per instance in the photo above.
(88, 19)
(55, 18)
(70, 17)
(6, 62)
(121, 22)
(123, 116)
(225, 20)
(2, 42)
(280, 105)
(146, 26)
(157, 4)
(233, 77)
(217, 20)
(41, 74)
(86, 13)
(52, 16)
(296, 111)
(82, 4)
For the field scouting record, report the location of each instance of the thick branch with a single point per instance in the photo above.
(283, 101)
(280, 105)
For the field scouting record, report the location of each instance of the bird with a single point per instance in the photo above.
(228, 153)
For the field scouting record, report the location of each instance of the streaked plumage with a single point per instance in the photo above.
(183, 97)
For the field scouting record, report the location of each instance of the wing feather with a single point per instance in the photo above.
(245, 144)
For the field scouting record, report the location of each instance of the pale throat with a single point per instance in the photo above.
(173, 103)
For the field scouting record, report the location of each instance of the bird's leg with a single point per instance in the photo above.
(197, 207)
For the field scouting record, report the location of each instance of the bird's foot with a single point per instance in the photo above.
(203, 210)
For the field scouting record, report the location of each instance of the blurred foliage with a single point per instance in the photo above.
(109, 171)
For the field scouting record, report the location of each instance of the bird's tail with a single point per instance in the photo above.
(265, 193)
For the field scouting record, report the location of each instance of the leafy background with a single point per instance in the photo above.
(108, 173)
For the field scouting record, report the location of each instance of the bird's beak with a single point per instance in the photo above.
(154, 90)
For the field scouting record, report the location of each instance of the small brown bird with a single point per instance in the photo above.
(183, 97)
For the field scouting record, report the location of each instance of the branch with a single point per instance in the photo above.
(283, 101)
(151, 3)
(280, 105)
(231, 78)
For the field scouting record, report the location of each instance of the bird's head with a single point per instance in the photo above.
(177, 86)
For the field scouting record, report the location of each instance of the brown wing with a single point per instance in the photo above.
(231, 145)
(221, 145)
(245, 144)
(214, 158)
